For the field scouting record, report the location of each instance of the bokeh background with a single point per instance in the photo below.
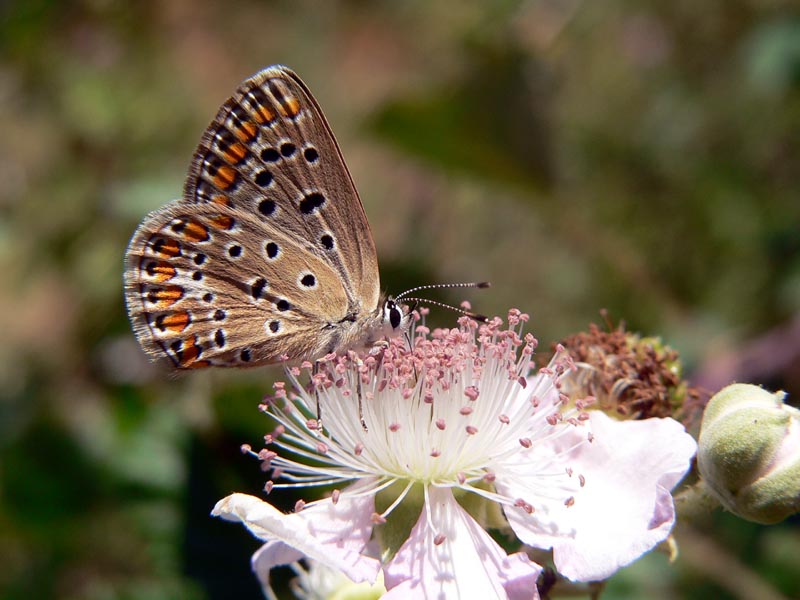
(642, 157)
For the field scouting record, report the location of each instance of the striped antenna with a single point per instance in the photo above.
(437, 286)
(466, 313)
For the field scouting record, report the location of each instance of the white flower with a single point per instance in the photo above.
(457, 421)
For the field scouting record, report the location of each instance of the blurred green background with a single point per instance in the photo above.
(642, 157)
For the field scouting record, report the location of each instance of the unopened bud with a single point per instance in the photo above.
(749, 453)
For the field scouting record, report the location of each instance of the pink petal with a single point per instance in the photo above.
(467, 564)
(333, 534)
(624, 509)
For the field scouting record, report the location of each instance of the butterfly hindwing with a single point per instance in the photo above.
(206, 287)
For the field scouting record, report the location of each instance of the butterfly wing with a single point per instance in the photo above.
(269, 246)
(270, 150)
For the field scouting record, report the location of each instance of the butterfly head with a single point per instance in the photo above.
(397, 316)
(394, 315)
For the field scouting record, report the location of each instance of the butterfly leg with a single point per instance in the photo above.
(359, 364)
(410, 348)
(314, 372)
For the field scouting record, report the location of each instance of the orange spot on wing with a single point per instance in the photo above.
(222, 222)
(290, 107)
(262, 114)
(246, 132)
(221, 199)
(225, 177)
(175, 322)
(196, 232)
(166, 296)
(234, 153)
(167, 247)
(160, 271)
(187, 356)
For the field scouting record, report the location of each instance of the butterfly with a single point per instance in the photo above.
(268, 256)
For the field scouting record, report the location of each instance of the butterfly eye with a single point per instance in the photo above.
(395, 316)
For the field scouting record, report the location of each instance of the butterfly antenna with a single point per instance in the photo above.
(468, 313)
(437, 286)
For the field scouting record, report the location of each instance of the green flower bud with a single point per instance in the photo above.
(749, 453)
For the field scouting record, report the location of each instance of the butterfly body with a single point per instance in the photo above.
(268, 255)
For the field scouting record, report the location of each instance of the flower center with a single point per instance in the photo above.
(439, 413)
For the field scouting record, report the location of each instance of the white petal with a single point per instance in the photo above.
(333, 534)
(625, 507)
(467, 564)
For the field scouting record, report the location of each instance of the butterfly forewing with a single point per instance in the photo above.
(270, 151)
(269, 246)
